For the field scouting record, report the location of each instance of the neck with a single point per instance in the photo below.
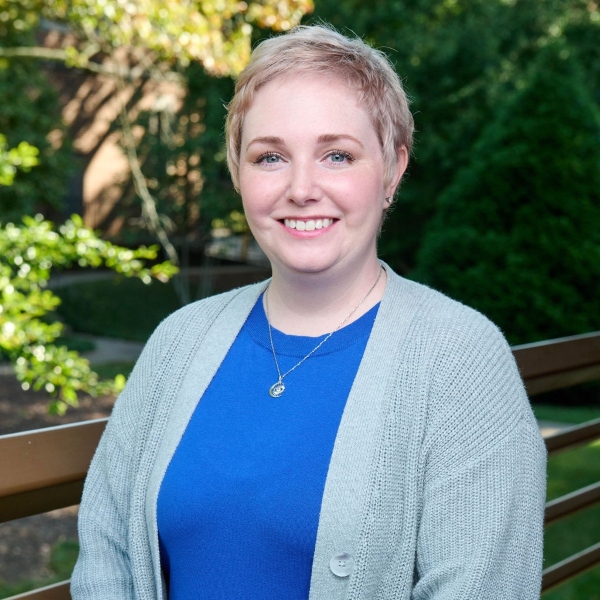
(313, 304)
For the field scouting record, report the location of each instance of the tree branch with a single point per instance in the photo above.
(111, 70)
(148, 201)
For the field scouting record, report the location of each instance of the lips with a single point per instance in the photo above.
(308, 224)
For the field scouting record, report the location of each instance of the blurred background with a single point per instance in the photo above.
(113, 111)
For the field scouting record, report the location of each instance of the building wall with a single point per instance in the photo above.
(91, 105)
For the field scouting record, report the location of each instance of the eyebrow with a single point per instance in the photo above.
(326, 138)
(268, 139)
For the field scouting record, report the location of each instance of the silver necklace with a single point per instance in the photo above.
(278, 387)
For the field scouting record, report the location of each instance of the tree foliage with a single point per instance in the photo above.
(517, 234)
(132, 42)
(214, 33)
(28, 254)
(30, 113)
(464, 62)
(182, 152)
(157, 40)
(461, 61)
(23, 157)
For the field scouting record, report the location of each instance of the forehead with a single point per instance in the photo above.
(306, 104)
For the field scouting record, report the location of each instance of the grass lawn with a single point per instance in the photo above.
(61, 562)
(565, 414)
(567, 472)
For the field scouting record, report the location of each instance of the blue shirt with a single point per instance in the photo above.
(238, 508)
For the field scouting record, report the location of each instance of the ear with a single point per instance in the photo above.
(401, 164)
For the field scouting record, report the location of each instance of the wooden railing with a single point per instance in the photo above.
(552, 365)
(45, 469)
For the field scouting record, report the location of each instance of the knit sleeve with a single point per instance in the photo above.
(103, 568)
(481, 526)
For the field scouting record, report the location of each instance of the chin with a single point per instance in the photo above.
(317, 264)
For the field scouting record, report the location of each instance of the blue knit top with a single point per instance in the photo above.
(239, 505)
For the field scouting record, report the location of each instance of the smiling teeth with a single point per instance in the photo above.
(309, 225)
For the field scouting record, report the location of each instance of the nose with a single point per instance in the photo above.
(304, 183)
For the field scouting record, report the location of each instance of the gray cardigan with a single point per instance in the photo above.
(435, 488)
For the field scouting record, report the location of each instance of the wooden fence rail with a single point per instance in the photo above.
(45, 469)
(58, 591)
(553, 365)
(561, 363)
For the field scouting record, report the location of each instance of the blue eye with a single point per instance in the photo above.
(268, 158)
(338, 157)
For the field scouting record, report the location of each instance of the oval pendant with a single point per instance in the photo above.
(276, 389)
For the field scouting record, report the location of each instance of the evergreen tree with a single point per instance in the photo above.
(517, 234)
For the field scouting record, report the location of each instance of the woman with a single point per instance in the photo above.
(337, 432)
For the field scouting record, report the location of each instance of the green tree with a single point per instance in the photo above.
(23, 157)
(517, 234)
(155, 34)
(29, 113)
(132, 42)
(182, 154)
(156, 40)
(28, 253)
(28, 331)
(461, 61)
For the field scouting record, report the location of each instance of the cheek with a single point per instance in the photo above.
(259, 192)
(365, 198)
(255, 200)
(248, 190)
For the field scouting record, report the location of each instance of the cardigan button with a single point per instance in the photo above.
(341, 564)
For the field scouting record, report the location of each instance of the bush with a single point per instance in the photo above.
(28, 335)
(517, 234)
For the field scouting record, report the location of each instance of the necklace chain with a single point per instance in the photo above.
(278, 387)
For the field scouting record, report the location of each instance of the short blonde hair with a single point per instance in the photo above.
(317, 49)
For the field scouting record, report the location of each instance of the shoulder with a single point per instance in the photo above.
(443, 326)
(471, 386)
(450, 343)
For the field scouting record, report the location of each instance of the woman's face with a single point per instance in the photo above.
(312, 175)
